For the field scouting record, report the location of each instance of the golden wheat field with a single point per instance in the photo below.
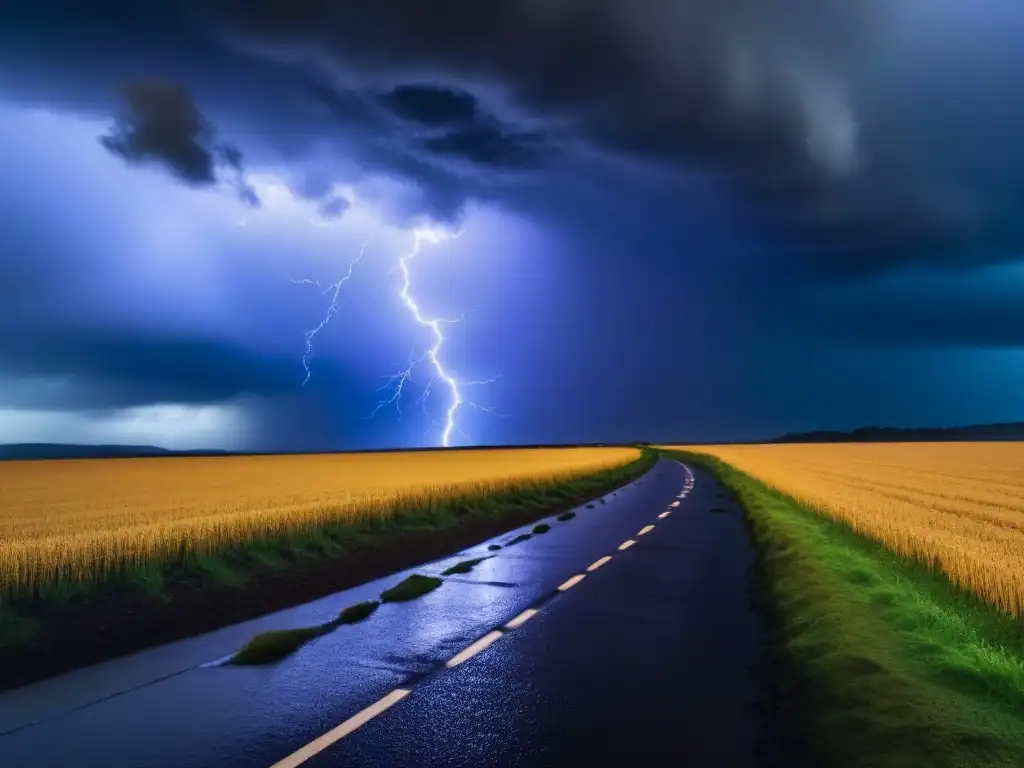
(74, 520)
(958, 506)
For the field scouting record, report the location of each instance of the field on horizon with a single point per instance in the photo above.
(957, 506)
(69, 521)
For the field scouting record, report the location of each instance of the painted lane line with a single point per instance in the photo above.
(664, 514)
(645, 529)
(572, 582)
(598, 563)
(522, 618)
(626, 545)
(357, 720)
(472, 650)
(674, 504)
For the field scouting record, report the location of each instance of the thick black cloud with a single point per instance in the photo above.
(501, 99)
(432, 105)
(763, 94)
(160, 122)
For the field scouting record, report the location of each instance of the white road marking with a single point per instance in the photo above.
(472, 650)
(357, 720)
(571, 582)
(522, 618)
(674, 504)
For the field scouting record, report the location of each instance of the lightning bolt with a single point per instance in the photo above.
(395, 386)
(439, 373)
(332, 308)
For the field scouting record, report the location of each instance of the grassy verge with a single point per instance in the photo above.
(888, 663)
(163, 601)
(410, 588)
(463, 567)
(275, 645)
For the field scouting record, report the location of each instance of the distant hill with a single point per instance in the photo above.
(1008, 431)
(22, 451)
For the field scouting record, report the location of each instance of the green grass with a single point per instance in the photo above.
(894, 665)
(26, 620)
(541, 528)
(411, 588)
(358, 612)
(565, 516)
(464, 567)
(17, 630)
(520, 538)
(268, 647)
(232, 565)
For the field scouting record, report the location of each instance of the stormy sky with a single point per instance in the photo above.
(675, 219)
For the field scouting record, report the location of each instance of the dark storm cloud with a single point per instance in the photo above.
(797, 105)
(122, 368)
(431, 105)
(160, 122)
(767, 94)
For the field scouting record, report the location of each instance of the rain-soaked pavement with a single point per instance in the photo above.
(645, 661)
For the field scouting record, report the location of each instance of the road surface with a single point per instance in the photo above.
(575, 648)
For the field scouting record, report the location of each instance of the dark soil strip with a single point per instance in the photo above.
(108, 623)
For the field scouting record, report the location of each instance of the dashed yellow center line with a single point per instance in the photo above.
(598, 563)
(664, 514)
(626, 545)
(521, 619)
(645, 529)
(572, 582)
(357, 720)
(472, 650)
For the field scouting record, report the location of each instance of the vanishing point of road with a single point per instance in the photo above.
(624, 636)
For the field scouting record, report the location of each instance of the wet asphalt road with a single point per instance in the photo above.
(644, 661)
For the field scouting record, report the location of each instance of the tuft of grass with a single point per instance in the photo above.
(464, 567)
(264, 555)
(541, 528)
(565, 516)
(268, 647)
(150, 582)
(17, 630)
(494, 547)
(411, 588)
(358, 612)
(519, 538)
(889, 662)
(218, 571)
